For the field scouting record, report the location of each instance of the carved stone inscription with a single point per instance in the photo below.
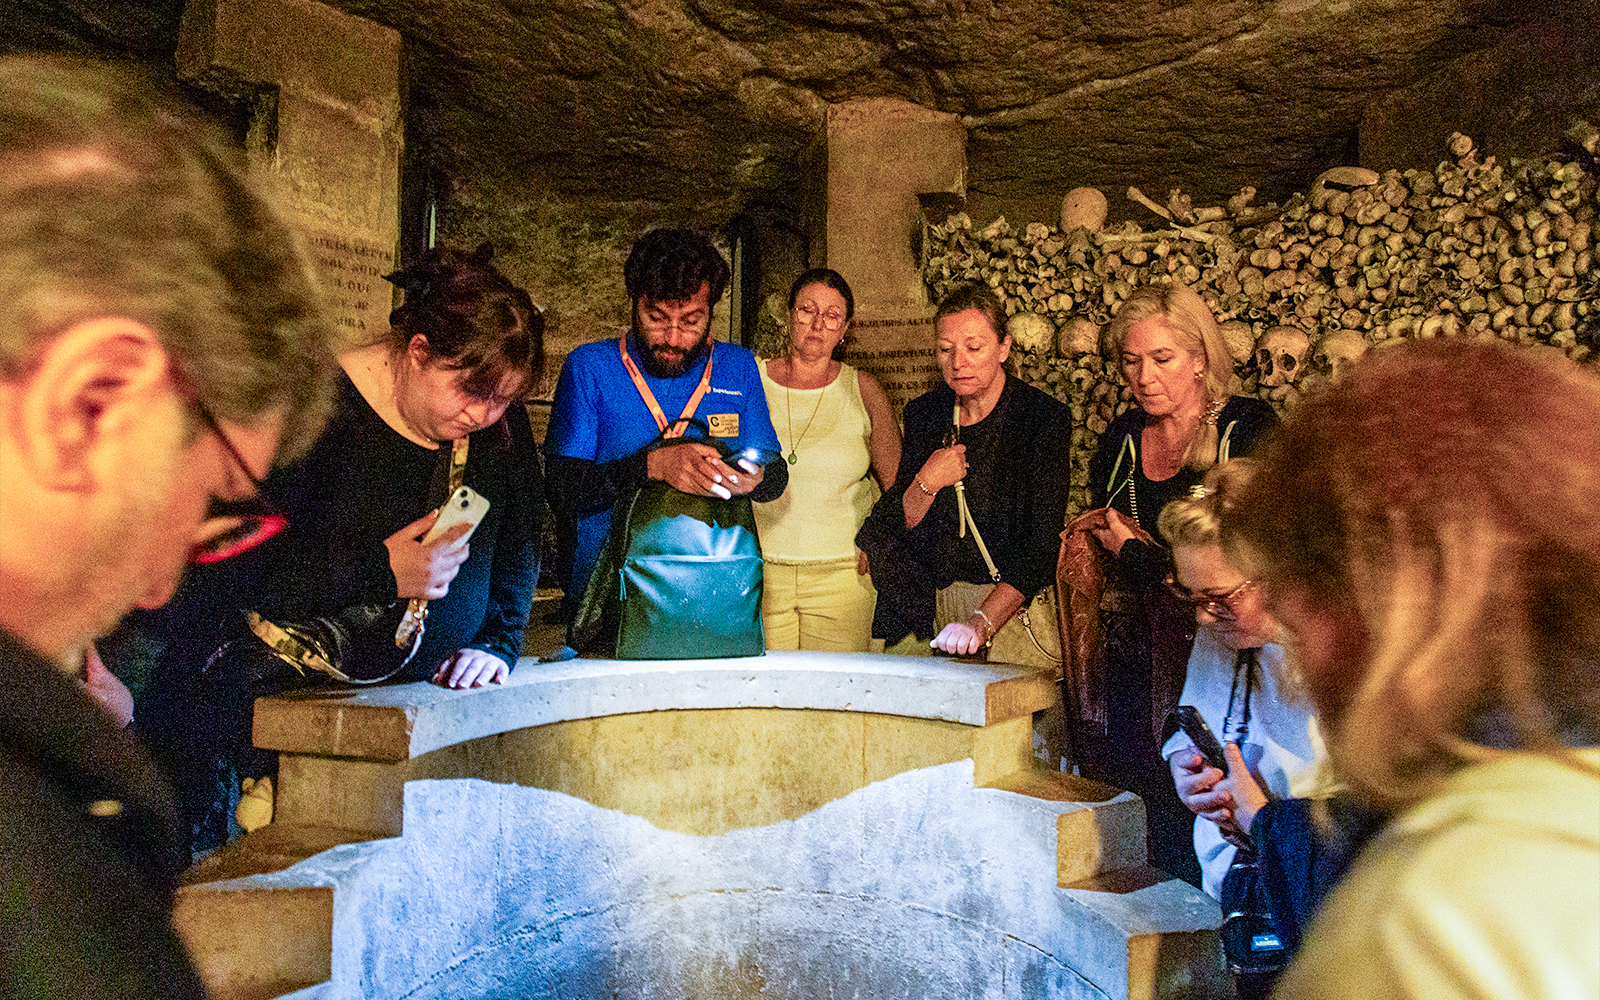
(357, 297)
(898, 353)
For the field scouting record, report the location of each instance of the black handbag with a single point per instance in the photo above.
(679, 577)
(360, 644)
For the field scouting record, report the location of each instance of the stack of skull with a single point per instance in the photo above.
(1301, 290)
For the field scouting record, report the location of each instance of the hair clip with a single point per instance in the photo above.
(1200, 492)
(416, 283)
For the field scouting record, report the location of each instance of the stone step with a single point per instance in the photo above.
(1133, 926)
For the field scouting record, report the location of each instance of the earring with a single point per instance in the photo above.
(1200, 376)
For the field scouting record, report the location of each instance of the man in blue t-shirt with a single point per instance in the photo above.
(615, 397)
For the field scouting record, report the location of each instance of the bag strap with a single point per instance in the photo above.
(676, 428)
(1248, 660)
(1130, 452)
(1225, 446)
(417, 608)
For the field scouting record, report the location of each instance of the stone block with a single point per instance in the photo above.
(252, 942)
(703, 770)
(1098, 828)
(919, 886)
(293, 42)
(327, 138)
(745, 851)
(397, 722)
(1142, 927)
(356, 795)
(882, 153)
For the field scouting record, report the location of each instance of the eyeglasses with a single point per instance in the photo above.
(240, 525)
(1215, 605)
(809, 314)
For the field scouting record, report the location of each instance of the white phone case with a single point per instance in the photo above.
(465, 506)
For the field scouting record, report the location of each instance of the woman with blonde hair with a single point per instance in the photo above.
(1235, 678)
(1427, 531)
(1167, 346)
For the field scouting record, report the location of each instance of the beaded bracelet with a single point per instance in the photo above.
(923, 488)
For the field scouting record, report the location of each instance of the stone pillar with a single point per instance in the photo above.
(325, 133)
(882, 154)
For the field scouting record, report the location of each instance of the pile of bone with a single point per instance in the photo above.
(1471, 248)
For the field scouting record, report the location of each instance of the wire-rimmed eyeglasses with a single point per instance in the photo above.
(1215, 605)
(809, 314)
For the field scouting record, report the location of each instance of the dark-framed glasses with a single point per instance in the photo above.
(234, 526)
(1215, 605)
(809, 314)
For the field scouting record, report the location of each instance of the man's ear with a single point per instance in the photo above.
(89, 384)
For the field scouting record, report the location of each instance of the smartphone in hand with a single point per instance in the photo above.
(465, 506)
(1194, 726)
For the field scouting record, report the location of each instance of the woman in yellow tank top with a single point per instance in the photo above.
(842, 443)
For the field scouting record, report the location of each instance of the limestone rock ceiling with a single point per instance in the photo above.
(701, 106)
(663, 100)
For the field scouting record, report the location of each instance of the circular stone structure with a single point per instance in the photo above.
(796, 825)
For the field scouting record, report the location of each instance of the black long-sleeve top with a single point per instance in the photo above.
(361, 483)
(1016, 489)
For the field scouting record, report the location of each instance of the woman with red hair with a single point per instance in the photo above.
(1428, 531)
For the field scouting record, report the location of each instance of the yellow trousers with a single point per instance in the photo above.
(817, 606)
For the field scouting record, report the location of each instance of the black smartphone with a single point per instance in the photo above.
(1194, 726)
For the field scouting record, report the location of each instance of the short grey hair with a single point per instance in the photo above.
(115, 201)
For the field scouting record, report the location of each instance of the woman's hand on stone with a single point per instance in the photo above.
(425, 569)
(958, 638)
(471, 668)
(945, 467)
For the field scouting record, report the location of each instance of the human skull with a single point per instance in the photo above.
(1241, 342)
(1083, 208)
(1280, 354)
(1338, 351)
(1031, 332)
(1078, 335)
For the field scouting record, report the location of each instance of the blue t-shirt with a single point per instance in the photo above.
(598, 415)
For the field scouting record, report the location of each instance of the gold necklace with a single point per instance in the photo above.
(788, 406)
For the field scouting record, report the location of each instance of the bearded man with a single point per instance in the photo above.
(616, 397)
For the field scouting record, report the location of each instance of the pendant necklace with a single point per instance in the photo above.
(788, 405)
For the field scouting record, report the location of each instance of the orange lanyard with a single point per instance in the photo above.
(650, 397)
